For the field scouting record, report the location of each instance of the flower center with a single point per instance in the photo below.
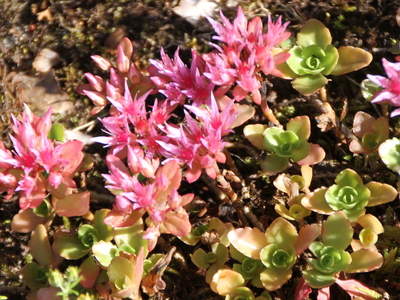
(394, 86)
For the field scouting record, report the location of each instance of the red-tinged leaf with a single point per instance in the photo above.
(73, 205)
(324, 294)
(303, 290)
(356, 289)
(117, 219)
(26, 221)
(39, 246)
(89, 271)
(248, 241)
(49, 293)
(316, 155)
(177, 224)
(307, 235)
(72, 152)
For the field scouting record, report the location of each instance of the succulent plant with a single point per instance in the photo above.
(314, 57)
(285, 145)
(349, 195)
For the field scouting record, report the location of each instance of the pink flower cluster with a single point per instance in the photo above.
(144, 135)
(38, 163)
(100, 91)
(245, 52)
(157, 196)
(178, 82)
(390, 86)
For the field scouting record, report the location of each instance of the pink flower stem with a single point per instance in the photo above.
(268, 112)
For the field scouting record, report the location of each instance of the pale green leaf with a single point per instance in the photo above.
(314, 32)
(351, 59)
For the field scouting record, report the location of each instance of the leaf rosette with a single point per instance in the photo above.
(349, 194)
(285, 145)
(329, 259)
(328, 262)
(314, 57)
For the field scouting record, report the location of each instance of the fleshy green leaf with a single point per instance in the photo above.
(241, 293)
(295, 61)
(364, 260)
(70, 247)
(282, 233)
(337, 231)
(273, 164)
(316, 201)
(272, 137)
(56, 133)
(309, 84)
(314, 32)
(351, 59)
(273, 279)
(123, 235)
(274, 257)
(120, 272)
(33, 275)
(330, 60)
(222, 254)
(44, 209)
(105, 232)
(254, 133)
(369, 88)
(380, 193)
(88, 235)
(104, 252)
(300, 126)
(199, 258)
(329, 260)
(248, 268)
(318, 280)
(348, 177)
(301, 152)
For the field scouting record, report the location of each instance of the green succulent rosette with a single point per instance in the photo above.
(285, 145)
(312, 57)
(349, 195)
(328, 262)
(274, 257)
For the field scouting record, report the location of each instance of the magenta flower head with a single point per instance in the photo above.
(391, 86)
(245, 51)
